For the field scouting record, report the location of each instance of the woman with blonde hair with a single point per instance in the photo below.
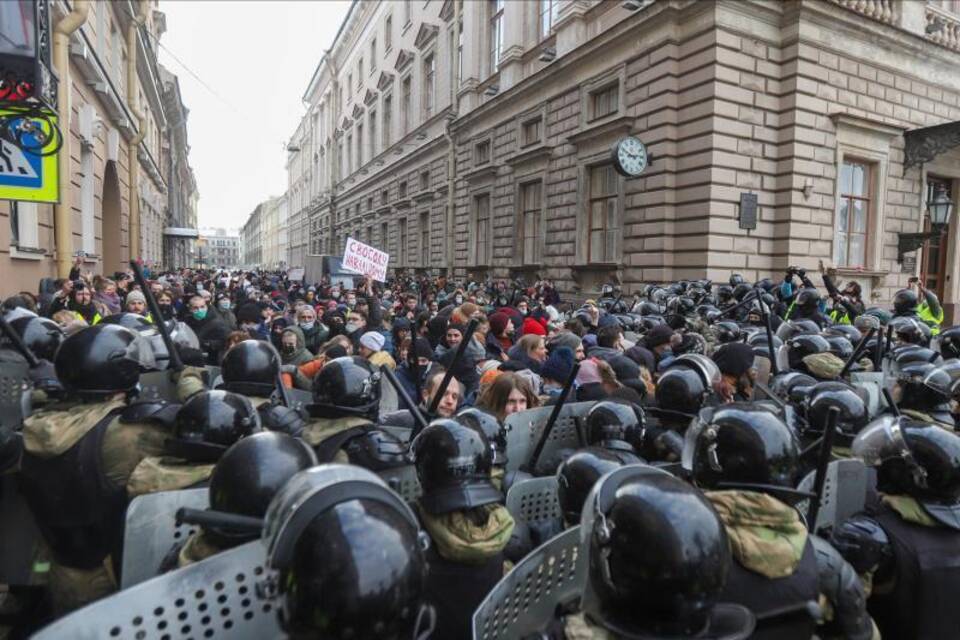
(509, 393)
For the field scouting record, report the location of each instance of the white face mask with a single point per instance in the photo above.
(351, 327)
(307, 325)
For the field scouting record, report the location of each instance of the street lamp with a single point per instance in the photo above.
(938, 210)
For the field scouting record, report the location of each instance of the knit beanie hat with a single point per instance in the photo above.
(558, 364)
(498, 323)
(566, 339)
(534, 326)
(136, 296)
(249, 312)
(372, 340)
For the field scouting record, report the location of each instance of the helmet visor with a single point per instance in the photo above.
(881, 440)
(692, 436)
(944, 379)
(707, 368)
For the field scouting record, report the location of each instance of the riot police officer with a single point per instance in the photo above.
(243, 482)
(748, 459)
(910, 544)
(657, 581)
(618, 427)
(460, 510)
(350, 557)
(78, 456)
(576, 477)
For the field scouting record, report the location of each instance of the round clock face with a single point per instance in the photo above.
(631, 156)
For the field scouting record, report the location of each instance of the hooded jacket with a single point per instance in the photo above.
(315, 336)
(518, 355)
(300, 353)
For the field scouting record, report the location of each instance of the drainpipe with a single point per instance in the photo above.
(133, 164)
(451, 150)
(334, 172)
(63, 231)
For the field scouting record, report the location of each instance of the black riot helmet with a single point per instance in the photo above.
(950, 343)
(736, 280)
(797, 327)
(791, 386)
(905, 302)
(840, 346)
(848, 331)
(346, 386)
(129, 320)
(853, 411)
(808, 300)
(911, 331)
(727, 331)
(615, 425)
(741, 291)
(453, 463)
(42, 336)
(724, 294)
(249, 474)
(576, 476)
(281, 418)
(741, 446)
(915, 393)
(377, 450)
(251, 367)
(916, 459)
(491, 428)
(209, 422)
(681, 390)
(101, 360)
(647, 577)
(799, 347)
(944, 379)
(350, 557)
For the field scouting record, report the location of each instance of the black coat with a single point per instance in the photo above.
(212, 333)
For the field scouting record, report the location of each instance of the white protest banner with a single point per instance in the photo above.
(365, 260)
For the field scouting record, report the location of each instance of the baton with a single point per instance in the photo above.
(547, 428)
(207, 518)
(419, 420)
(282, 391)
(882, 347)
(176, 364)
(461, 348)
(414, 363)
(857, 352)
(819, 480)
(18, 343)
(774, 368)
(889, 398)
(750, 297)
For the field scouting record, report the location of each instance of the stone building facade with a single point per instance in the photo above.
(107, 116)
(218, 248)
(820, 109)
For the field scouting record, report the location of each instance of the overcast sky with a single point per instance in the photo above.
(255, 59)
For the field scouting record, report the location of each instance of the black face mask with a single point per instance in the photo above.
(289, 348)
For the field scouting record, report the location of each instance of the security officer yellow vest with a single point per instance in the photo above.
(926, 314)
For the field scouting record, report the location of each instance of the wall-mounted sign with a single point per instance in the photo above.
(748, 211)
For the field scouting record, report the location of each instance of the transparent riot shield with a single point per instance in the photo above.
(14, 394)
(152, 531)
(404, 481)
(535, 501)
(526, 599)
(524, 429)
(215, 598)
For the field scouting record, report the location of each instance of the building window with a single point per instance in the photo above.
(402, 189)
(359, 73)
(605, 101)
(405, 89)
(482, 230)
(456, 42)
(373, 133)
(388, 34)
(481, 152)
(384, 196)
(549, 12)
(402, 235)
(604, 218)
(530, 229)
(373, 55)
(369, 204)
(429, 85)
(349, 86)
(406, 11)
(88, 223)
(853, 215)
(387, 120)
(384, 235)
(24, 231)
(424, 239)
(359, 145)
(496, 33)
(424, 180)
(532, 132)
(349, 154)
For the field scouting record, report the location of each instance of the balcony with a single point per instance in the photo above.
(927, 20)
(879, 10)
(942, 27)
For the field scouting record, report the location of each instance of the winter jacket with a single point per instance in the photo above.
(300, 354)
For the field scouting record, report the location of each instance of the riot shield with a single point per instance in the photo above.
(526, 599)
(388, 397)
(844, 492)
(872, 383)
(215, 598)
(14, 394)
(524, 429)
(20, 539)
(535, 501)
(157, 385)
(152, 531)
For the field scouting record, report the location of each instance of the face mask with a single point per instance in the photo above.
(200, 314)
(458, 300)
(224, 304)
(351, 302)
(352, 327)
(248, 327)
(306, 326)
(288, 348)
